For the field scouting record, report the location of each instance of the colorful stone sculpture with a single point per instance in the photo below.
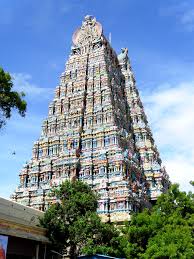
(97, 132)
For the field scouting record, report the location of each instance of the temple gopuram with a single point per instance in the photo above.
(96, 131)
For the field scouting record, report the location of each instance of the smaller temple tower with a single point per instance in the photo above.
(150, 161)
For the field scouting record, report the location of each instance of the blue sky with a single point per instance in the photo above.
(35, 44)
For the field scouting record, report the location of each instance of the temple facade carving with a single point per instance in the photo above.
(96, 131)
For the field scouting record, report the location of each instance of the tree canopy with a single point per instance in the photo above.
(73, 225)
(165, 231)
(9, 99)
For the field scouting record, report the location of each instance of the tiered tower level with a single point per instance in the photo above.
(96, 131)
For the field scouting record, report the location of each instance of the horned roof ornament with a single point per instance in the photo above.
(123, 56)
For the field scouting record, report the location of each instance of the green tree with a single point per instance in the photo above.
(165, 231)
(73, 224)
(192, 183)
(9, 99)
(172, 241)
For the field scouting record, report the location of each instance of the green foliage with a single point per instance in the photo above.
(9, 99)
(175, 201)
(165, 231)
(76, 199)
(171, 242)
(104, 240)
(73, 224)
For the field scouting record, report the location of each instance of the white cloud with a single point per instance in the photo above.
(187, 19)
(22, 82)
(170, 110)
(183, 12)
(181, 170)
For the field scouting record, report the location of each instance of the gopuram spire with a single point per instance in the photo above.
(150, 161)
(90, 133)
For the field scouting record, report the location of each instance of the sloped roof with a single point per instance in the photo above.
(21, 221)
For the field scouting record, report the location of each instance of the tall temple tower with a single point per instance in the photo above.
(96, 131)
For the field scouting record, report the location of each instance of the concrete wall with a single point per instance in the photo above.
(18, 213)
